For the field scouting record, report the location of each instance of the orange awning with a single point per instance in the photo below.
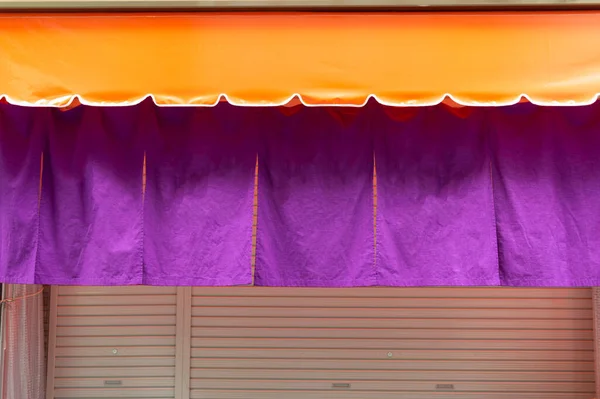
(328, 58)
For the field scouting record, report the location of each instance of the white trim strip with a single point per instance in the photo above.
(67, 101)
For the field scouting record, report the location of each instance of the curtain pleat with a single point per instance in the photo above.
(91, 205)
(481, 196)
(315, 201)
(547, 194)
(435, 216)
(199, 196)
(21, 141)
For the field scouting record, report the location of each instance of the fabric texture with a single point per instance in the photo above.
(547, 194)
(21, 140)
(346, 196)
(435, 215)
(315, 202)
(91, 199)
(198, 201)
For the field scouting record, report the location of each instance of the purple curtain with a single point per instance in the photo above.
(547, 195)
(21, 141)
(91, 201)
(503, 196)
(435, 214)
(199, 194)
(315, 201)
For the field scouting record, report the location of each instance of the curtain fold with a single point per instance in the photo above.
(481, 196)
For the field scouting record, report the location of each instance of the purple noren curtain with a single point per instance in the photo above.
(435, 214)
(497, 196)
(21, 141)
(91, 202)
(199, 193)
(547, 195)
(315, 201)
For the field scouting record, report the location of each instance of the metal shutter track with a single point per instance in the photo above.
(380, 343)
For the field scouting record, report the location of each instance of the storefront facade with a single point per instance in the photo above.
(293, 243)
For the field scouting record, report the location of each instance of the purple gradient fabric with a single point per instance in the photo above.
(504, 196)
(435, 214)
(315, 201)
(21, 140)
(199, 195)
(91, 202)
(547, 195)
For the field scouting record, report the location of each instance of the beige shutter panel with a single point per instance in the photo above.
(112, 342)
(384, 343)
(293, 343)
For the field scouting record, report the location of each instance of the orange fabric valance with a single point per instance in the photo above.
(328, 58)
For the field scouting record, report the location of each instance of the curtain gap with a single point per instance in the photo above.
(47, 114)
(144, 178)
(254, 221)
(490, 149)
(374, 213)
(143, 214)
(39, 216)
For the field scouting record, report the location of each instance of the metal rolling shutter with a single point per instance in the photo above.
(384, 343)
(112, 342)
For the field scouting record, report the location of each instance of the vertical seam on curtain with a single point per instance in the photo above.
(374, 197)
(487, 131)
(153, 119)
(374, 137)
(144, 178)
(142, 247)
(47, 114)
(254, 224)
